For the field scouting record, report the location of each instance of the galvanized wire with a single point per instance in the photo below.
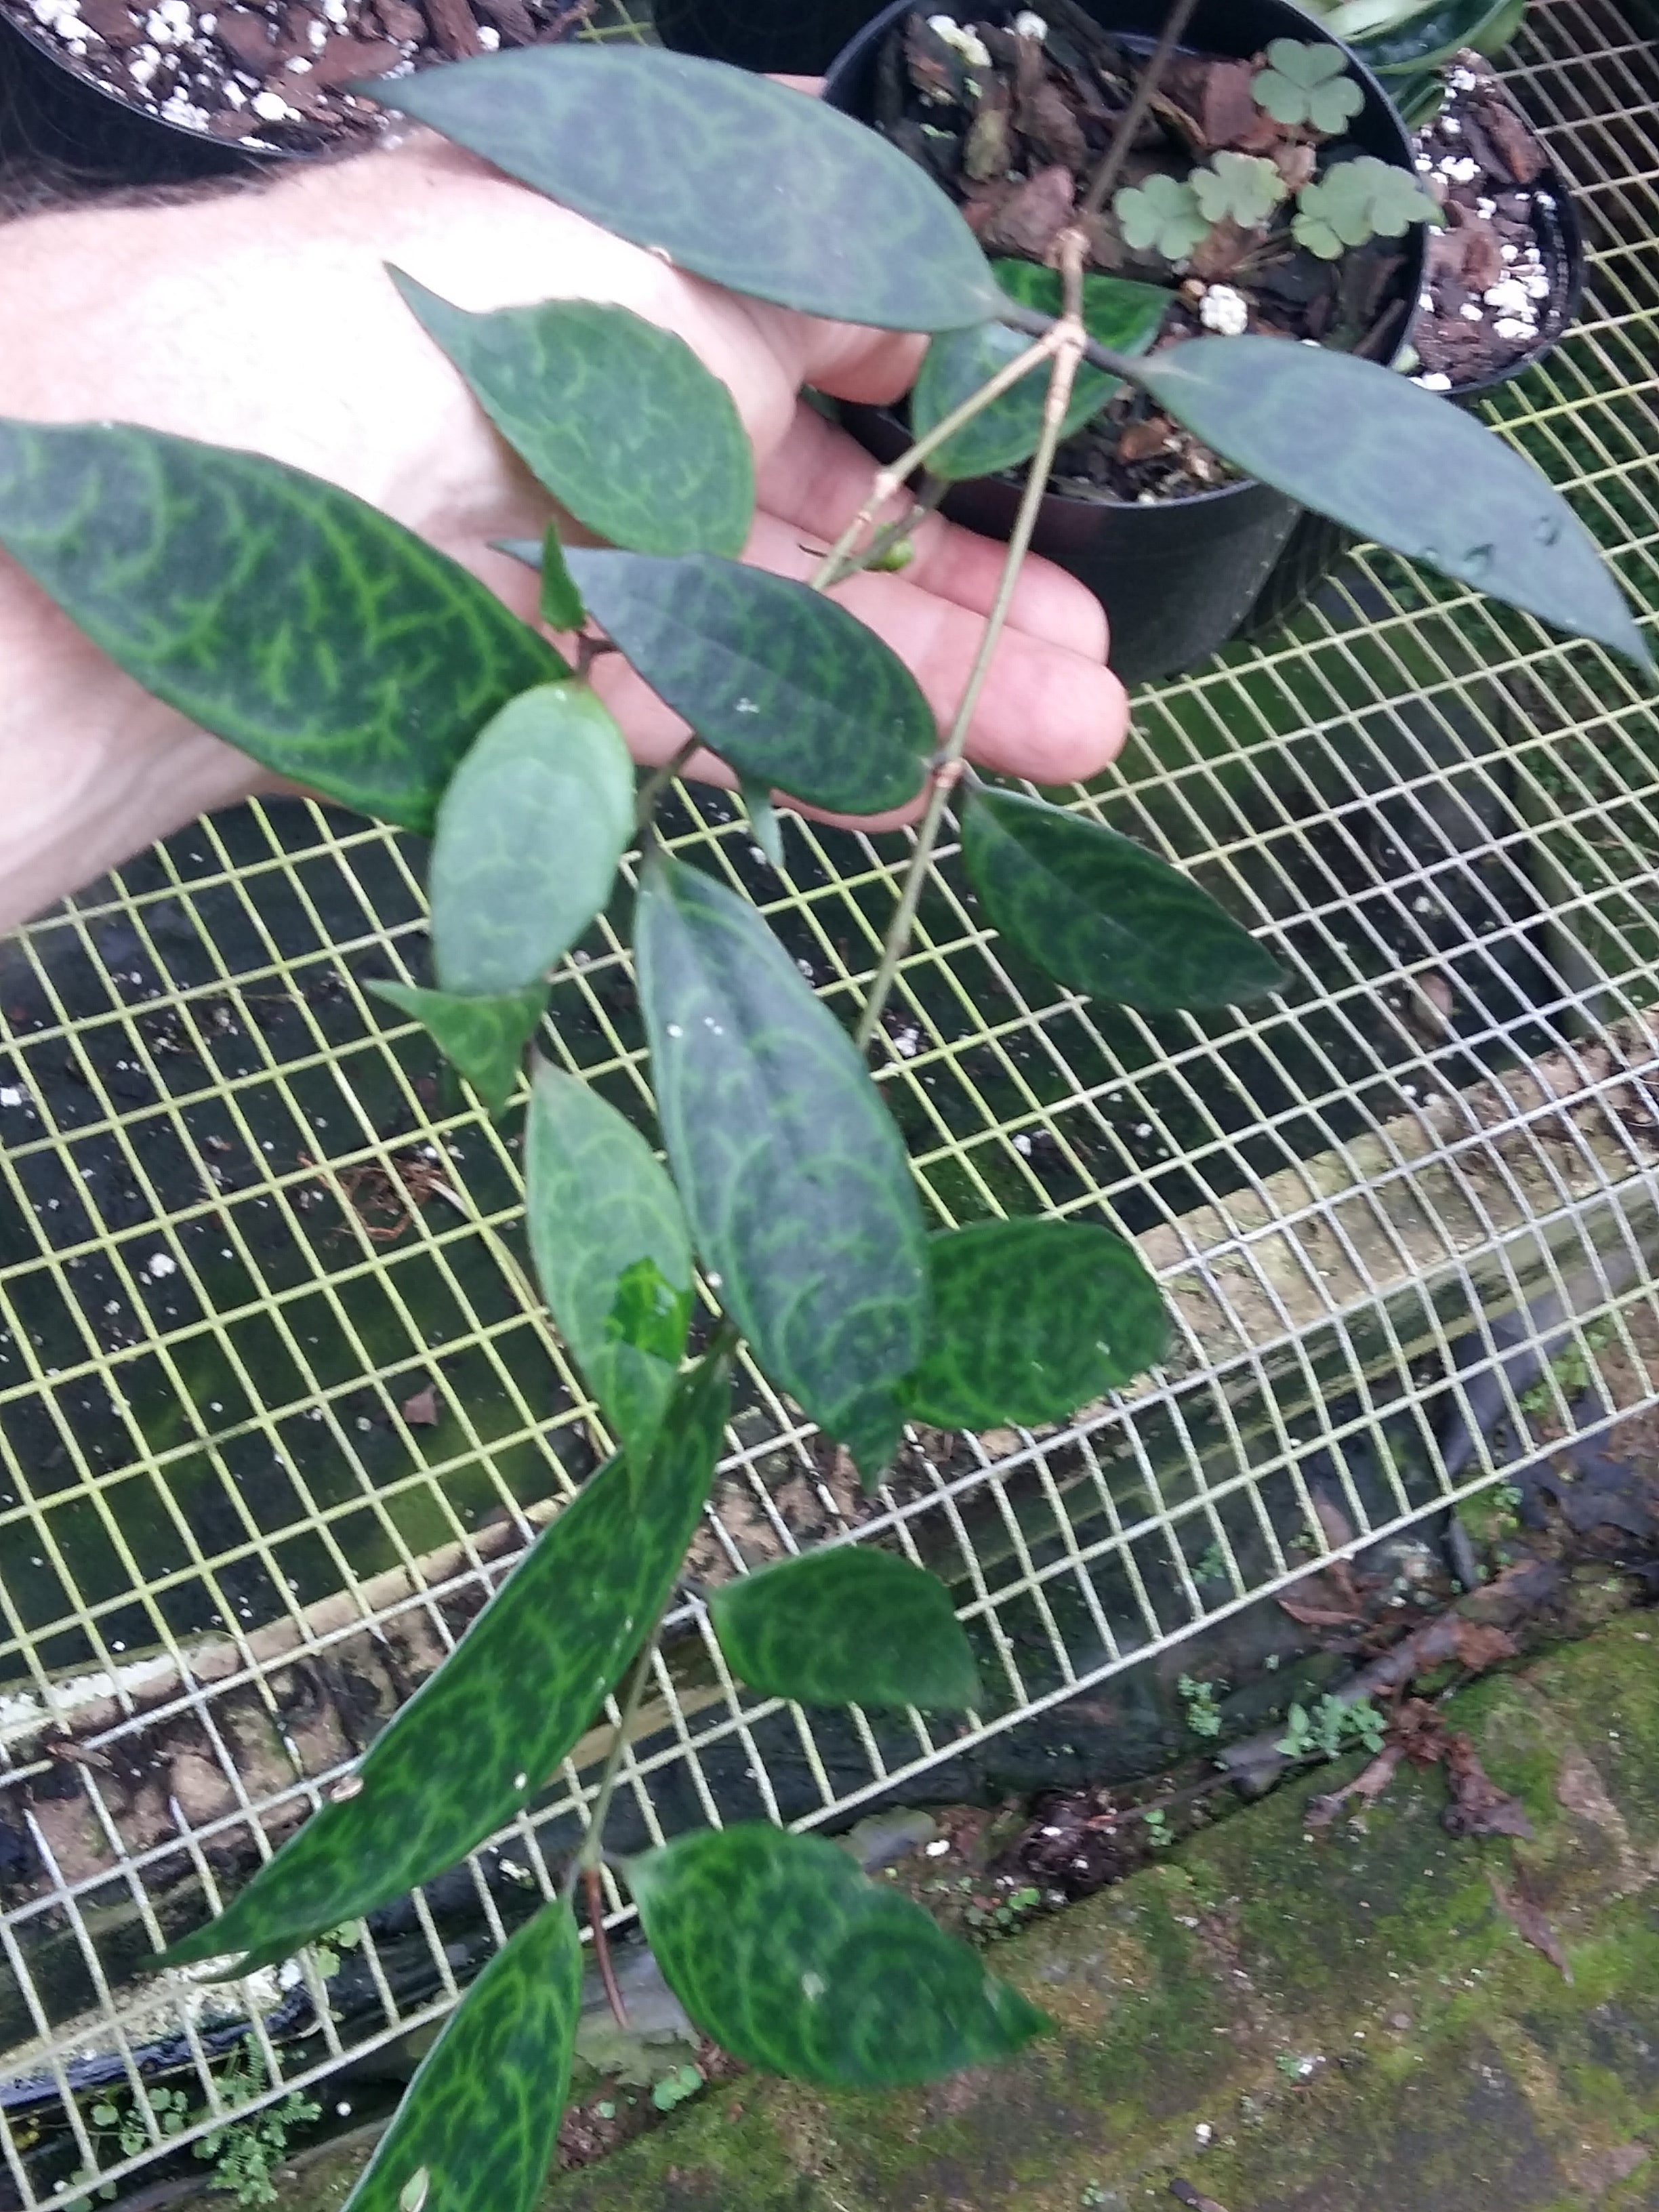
(245, 1223)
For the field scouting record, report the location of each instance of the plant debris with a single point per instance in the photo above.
(1519, 1908)
(1417, 1732)
(272, 75)
(1498, 276)
(1013, 113)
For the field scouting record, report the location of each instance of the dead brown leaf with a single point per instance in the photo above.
(1479, 1807)
(1322, 1609)
(1519, 1909)
(1367, 1786)
(420, 1411)
(1478, 1645)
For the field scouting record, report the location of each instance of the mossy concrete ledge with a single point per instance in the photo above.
(1345, 2023)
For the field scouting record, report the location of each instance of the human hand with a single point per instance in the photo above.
(265, 320)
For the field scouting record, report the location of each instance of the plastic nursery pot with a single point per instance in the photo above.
(1560, 236)
(52, 115)
(1177, 578)
(799, 37)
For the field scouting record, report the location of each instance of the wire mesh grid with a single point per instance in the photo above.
(278, 1406)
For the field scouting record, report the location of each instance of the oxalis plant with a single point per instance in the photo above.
(334, 646)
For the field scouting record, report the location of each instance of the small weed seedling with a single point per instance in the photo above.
(1331, 1728)
(1203, 1714)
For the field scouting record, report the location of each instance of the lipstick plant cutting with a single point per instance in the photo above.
(330, 644)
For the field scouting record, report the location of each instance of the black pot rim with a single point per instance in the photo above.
(1190, 503)
(34, 36)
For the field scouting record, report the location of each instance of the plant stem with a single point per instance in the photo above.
(925, 503)
(593, 1849)
(1111, 166)
(1069, 335)
(659, 781)
(891, 480)
(594, 1890)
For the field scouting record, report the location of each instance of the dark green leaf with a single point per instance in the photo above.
(530, 833)
(726, 175)
(764, 823)
(846, 1626)
(480, 1739)
(561, 605)
(485, 1038)
(620, 420)
(1103, 915)
(1031, 1320)
(1430, 37)
(479, 2119)
(793, 1175)
(1368, 448)
(1418, 99)
(307, 629)
(1119, 314)
(777, 679)
(611, 1248)
(782, 1952)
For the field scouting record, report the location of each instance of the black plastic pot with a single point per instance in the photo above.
(53, 115)
(1177, 579)
(799, 37)
(1316, 544)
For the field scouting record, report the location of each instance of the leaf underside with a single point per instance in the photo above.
(1367, 448)
(781, 1950)
(611, 1249)
(619, 420)
(480, 2117)
(846, 1626)
(1031, 1320)
(530, 833)
(731, 178)
(793, 1173)
(1102, 914)
(481, 1738)
(483, 1038)
(295, 621)
(780, 681)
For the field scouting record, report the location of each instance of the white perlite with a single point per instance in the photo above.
(1030, 26)
(968, 43)
(1225, 311)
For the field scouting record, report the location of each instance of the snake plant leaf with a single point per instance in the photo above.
(846, 1626)
(1432, 35)
(561, 605)
(530, 833)
(479, 1740)
(619, 420)
(476, 2130)
(780, 681)
(295, 621)
(791, 1170)
(722, 173)
(1367, 448)
(611, 1248)
(485, 1038)
(1119, 313)
(1102, 914)
(780, 1949)
(1032, 1320)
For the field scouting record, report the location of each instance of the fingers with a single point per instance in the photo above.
(1048, 714)
(819, 478)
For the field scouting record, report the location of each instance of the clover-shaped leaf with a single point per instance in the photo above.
(1161, 216)
(1356, 200)
(1308, 84)
(1242, 185)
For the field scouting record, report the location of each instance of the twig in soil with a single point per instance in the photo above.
(1129, 122)
(1189, 2196)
